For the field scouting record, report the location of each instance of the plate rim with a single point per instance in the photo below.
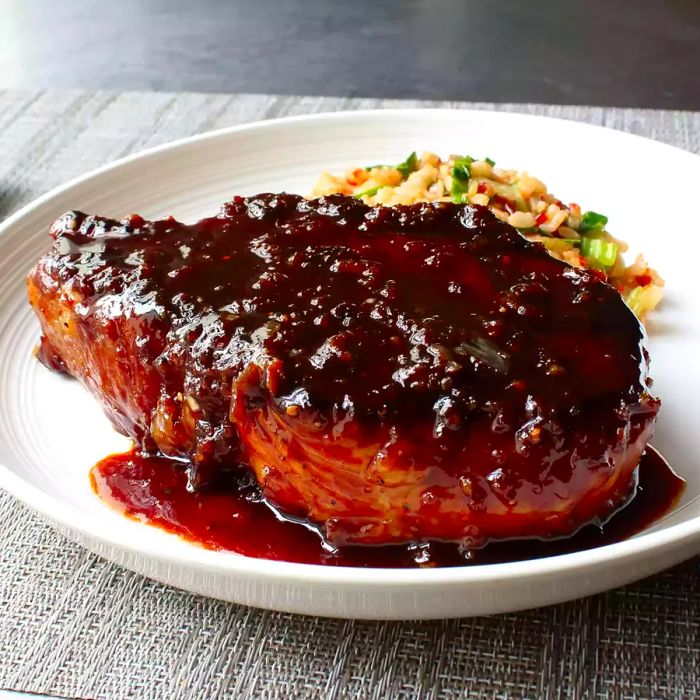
(72, 519)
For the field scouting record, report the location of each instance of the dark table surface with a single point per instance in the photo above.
(634, 53)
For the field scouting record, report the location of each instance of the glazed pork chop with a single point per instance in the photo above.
(391, 374)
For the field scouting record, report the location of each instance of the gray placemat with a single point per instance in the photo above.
(74, 625)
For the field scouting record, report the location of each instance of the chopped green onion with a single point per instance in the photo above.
(461, 169)
(558, 244)
(592, 221)
(460, 179)
(511, 193)
(370, 192)
(635, 300)
(519, 201)
(599, 252)
(405, 168)
(490, 162)
(408, 166)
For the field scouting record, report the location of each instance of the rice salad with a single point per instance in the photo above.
(578, 238)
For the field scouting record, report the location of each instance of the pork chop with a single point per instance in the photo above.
(392, 374)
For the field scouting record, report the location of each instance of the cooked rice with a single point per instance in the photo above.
(578, 238)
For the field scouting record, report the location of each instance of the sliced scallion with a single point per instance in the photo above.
(592, 221)
(408, 166)
(635, 300)
(599, 252)
(405, 168)
(558, 244)
(369, 192)
(460, 179)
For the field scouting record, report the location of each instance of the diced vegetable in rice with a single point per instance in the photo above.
(578, 238)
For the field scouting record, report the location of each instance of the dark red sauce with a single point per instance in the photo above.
(418, 373)
(391, 373)
(232, 515)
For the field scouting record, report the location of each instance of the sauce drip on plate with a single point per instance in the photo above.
(232, 515)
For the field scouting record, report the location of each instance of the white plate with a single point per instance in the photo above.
(52, 431)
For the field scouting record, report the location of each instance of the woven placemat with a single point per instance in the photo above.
(74, 625)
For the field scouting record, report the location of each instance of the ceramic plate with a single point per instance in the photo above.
(52, 431)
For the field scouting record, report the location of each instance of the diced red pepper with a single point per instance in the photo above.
(357, 177)
(643, 280)
(541, 218)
